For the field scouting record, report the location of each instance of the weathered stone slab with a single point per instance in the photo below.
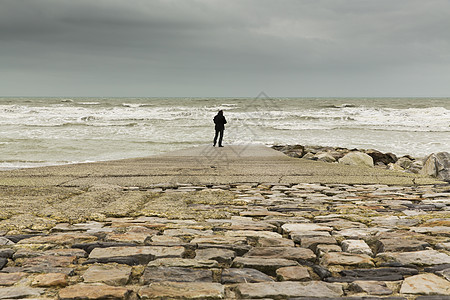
(295, 273)
(301, 227)
(436, 230)
(427, 284)
(243, 275)
(252, 233)
(49, 261)
(221, 240)
(265, 265)
(400, 245)
(292, 253)
(134, 255)
(3, 262)
(88, 247)
(356, 246)
(39, 269)
(183, 262)
(370, 287)
(223, 256)
(346, 259)
(5, 241)
(6, 253)
(381, 274)
(60, 239)
(275, 242)
(19, 292)
(183, 290)
(313, 242)
(109, 274)
(98, 291)
(7, 279)
(175, 274)
(420, 258)
(50, 280)
(288, 289)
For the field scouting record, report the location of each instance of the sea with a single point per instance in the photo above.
(62, 130)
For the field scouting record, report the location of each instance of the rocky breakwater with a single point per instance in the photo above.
(436, 165)
(270, 241)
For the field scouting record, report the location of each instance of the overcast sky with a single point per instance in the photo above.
(203, 48)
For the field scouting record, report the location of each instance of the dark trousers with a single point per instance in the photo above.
(218, 132)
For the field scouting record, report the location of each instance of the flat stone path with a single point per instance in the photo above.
(92, 237)
(208, 165)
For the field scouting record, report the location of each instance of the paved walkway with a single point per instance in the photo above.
(207, 165)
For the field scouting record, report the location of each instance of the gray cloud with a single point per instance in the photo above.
(224, 48)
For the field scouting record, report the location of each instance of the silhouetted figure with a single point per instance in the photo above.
(220, 122)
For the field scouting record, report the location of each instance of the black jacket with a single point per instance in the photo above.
(220, 122)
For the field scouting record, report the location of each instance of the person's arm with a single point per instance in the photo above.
(224, 120)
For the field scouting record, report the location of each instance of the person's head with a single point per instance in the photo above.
(220, 113)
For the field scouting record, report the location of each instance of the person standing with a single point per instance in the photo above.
(220, 122)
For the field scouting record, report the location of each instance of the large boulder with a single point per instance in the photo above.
(356, 158)
(385, 158)
(437, 165)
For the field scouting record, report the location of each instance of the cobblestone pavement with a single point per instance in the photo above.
(273, 241)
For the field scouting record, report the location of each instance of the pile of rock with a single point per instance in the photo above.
(281, 241)
(435, 165)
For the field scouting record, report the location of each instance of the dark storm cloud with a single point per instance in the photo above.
(201, 48)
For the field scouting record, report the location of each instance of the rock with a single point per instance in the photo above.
(7, 279)
(222, 256)
(91, 291)
(346, 259)
(48, 261)
(404, 162)
(370, 287)
(438, 166)
(265, 265)
(5, 241)
(400, 245)
(108, 274)
(321, 271)
(415, 167)
(420, 258)
(19, 292)
(385, 158)
(356, 246)
(88, 247)
(60, 239)
(3, 262)
(436, 230)
(220, 240)
(183, 290)
(252, 234)
(302, 227)
(243, 275)
(287, 289)
(325, 157)
(295, 273)
(183, 262)
(312, 242)
(292, 253)
(176, 274)
(275, 242)
(428, 284)
(357, 159)
(382, 274)
(322, 249)
(50, 280)
(6, 253)
(133, 255)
